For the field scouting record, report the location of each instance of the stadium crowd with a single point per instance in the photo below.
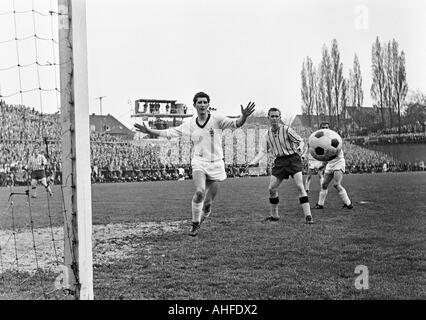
(116, 160)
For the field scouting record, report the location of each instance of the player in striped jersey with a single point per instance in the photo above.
(286, 145)
(37, 165)
(208, 168)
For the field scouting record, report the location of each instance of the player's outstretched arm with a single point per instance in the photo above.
(245, 113)
(144, 129)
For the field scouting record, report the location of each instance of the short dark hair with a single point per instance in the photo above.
(201, 95)
(273, 109)
(324, 123)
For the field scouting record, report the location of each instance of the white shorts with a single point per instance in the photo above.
(335, 165)
(315, 164)
(213, 170)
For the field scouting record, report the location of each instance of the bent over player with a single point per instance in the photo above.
(315, 166)
(334, 170)
(286, 145)
(208, 167)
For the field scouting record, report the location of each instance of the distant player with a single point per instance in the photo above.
(208, 167)
(37, 166)
(286, 145)
(334, 170)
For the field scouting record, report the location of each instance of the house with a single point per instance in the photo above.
(301, 121)
(110, 125)
(352, 119)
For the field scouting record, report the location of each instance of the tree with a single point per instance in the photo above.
(344, 98)
(415, 111)
(415, 114)
(389, 97)
(337, 78)
(379, 81)
(400, 79)
(308, 87)
(320, 106)
(354, 85)
(327, 81)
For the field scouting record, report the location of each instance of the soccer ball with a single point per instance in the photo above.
(324, 144)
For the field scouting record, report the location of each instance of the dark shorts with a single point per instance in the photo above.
(287, 166)
(38, 174)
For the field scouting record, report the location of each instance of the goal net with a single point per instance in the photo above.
(40, 236)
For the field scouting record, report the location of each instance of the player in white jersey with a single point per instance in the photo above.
(286, 145)
(208, 167)
(314, 167)
(37, 166)
(334, 170)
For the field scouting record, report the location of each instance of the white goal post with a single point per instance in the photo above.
(75, 134)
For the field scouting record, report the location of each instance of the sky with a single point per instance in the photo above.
(235, 50)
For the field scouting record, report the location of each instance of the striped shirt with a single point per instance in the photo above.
(284, 142)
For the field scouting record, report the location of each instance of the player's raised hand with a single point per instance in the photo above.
(141, 128)
(248, 110)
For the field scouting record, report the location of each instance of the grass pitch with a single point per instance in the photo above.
(141, 233)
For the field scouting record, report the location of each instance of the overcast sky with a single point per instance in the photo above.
(235, 50)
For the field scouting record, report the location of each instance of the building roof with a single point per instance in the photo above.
(109, 124)
(304, 119)
(156, 100)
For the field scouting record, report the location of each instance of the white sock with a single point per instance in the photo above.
(322, 196)
(196, 211)
(274, 210)
(307, 184)
(207, 214)
(306, 209)
(344, 196)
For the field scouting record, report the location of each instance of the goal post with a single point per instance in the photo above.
(76, 171)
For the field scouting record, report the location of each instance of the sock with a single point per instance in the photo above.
(308, 183)
(207, 206)
(196, 211)
(322, 196)
(304, 202)
(274, 210)
(274, 206)
(344, 196)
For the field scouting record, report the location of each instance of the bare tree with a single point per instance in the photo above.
(389, 97)
(327, 80)
(351, 88)
(379, 81)
(308, 88)
(337, 78)
(400, 79)
(320, 106)
(344, 99)
(356, 83)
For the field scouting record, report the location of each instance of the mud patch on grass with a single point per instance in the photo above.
(111, 243)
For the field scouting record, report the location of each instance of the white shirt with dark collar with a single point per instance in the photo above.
(207, 138)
